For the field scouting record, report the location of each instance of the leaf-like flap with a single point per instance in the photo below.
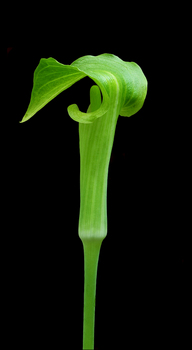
(50, 79)
(122, 84)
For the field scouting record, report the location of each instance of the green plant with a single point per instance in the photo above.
(123, 87)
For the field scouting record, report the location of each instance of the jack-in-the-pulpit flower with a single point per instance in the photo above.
(120, 90)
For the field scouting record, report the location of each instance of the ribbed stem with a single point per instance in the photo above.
(91, 257)
(96, 141)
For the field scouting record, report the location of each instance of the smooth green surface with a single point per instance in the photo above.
(107, 71)
(96, 141)
(91, 257)
(120, 89)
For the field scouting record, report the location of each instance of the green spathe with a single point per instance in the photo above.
(52, 77)
(123, 87)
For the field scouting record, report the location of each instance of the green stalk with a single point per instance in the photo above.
(91, 257)
(96, 141)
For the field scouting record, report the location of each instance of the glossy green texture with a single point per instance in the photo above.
(108, 72)
(120, 89)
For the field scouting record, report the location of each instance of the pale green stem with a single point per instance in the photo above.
(91, 257)
(96, 141)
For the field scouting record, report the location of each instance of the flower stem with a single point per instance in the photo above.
(91, 257)
(96, 141)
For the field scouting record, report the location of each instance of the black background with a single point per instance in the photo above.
(143, 274)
